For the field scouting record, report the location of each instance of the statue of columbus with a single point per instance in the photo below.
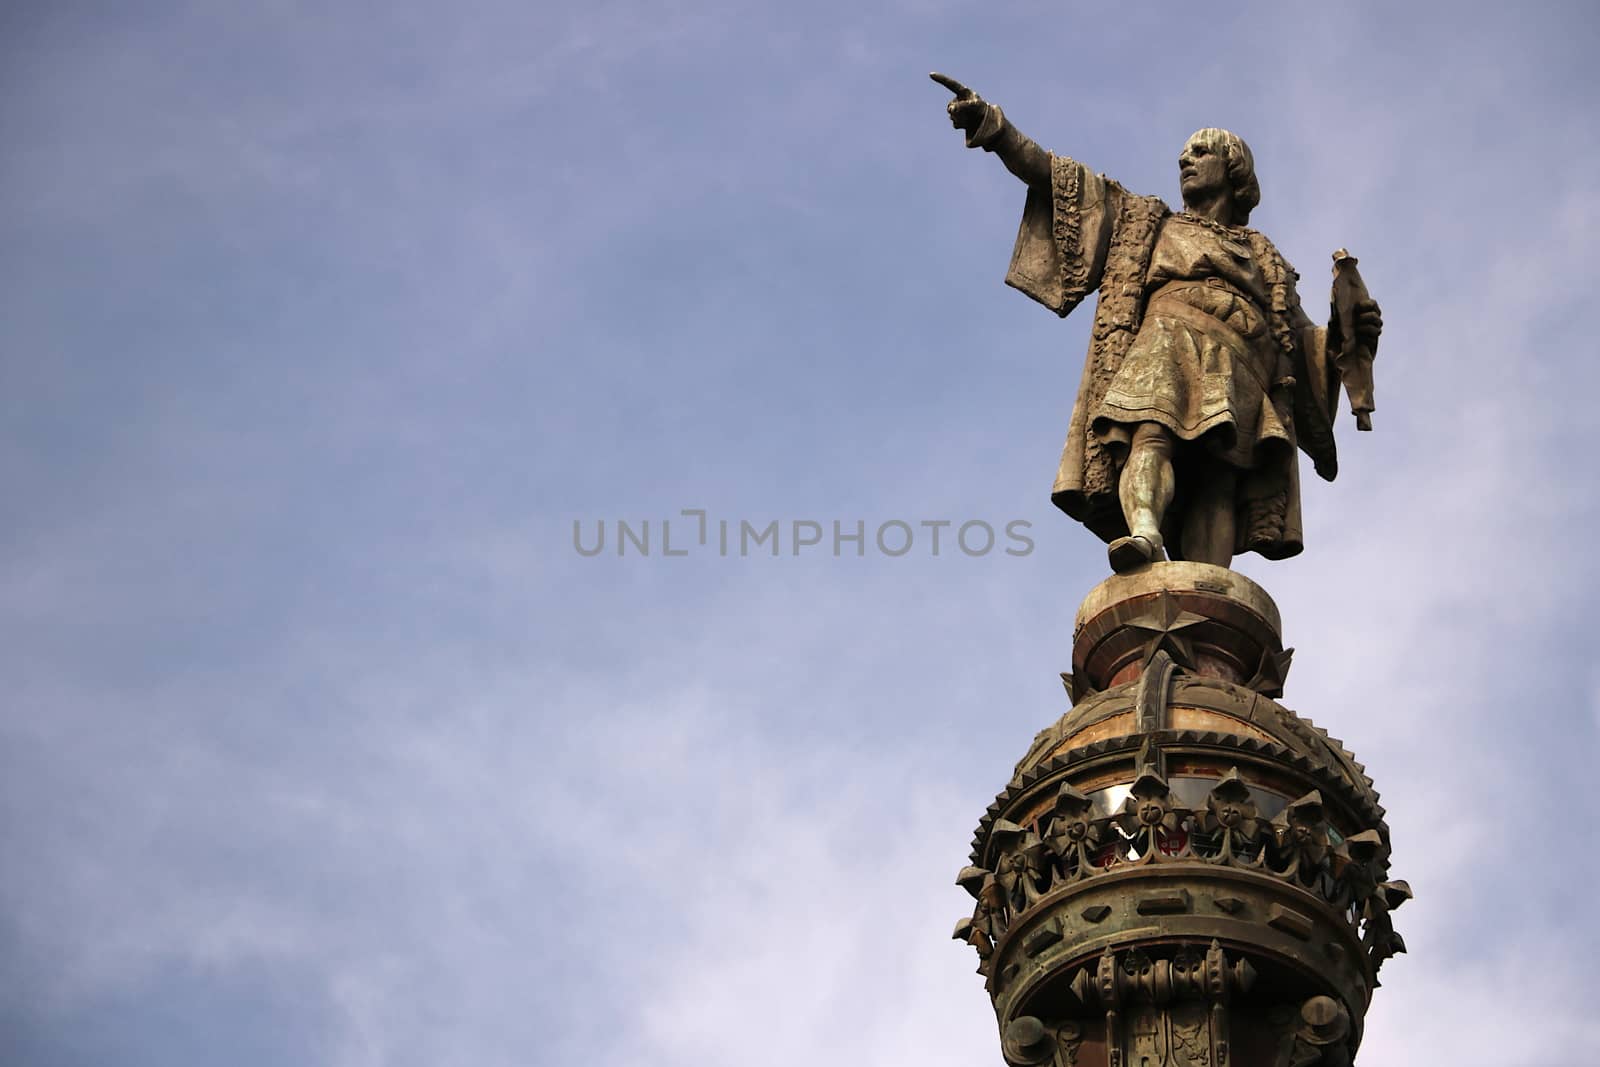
(1204, 375)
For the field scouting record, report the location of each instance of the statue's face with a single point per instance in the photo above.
(1202, 170)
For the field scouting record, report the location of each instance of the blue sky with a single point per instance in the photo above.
(322, 325)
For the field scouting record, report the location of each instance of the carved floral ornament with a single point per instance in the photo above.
(1153, 827)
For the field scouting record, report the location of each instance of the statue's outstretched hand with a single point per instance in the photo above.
(968, 110)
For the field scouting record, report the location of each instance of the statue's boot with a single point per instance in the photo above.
(1132, 552)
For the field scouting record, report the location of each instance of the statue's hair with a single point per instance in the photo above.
(1241, 167)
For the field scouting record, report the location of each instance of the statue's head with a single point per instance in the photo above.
(1213, 160)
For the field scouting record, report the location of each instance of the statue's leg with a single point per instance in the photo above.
(1145, 490)
(1210, 518)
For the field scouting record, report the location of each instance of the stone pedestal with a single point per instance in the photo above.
(1182, 871)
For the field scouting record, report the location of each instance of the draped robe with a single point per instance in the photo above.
(1087, 232)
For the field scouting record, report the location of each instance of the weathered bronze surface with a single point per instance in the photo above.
(1204, 374)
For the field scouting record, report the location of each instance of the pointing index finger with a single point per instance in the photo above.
(961, 91)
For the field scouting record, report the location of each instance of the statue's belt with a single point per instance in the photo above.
(1168, 304)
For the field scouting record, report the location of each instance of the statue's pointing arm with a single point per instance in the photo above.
(1067, 220)
(987, 128)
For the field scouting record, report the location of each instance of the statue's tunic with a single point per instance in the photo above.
(1198, 328)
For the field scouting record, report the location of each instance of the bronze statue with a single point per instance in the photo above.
(1204, 374)
(1204, 380)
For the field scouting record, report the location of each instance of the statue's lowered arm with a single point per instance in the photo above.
(1327, 357)
(1353, 328)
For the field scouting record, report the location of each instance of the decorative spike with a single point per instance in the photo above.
(1006, 828)
(1069, 799)
(1271, 673)
(1312, 799)
(971, 879)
